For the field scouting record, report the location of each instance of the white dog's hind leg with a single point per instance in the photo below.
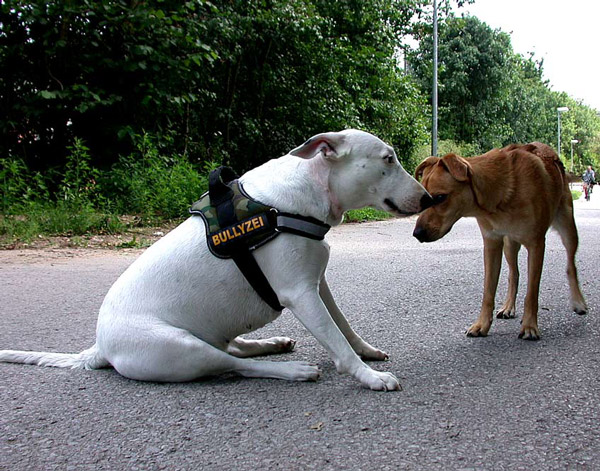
(169, 354)
(244, 348)
(362, 348)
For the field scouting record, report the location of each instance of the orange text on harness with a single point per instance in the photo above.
(238, 230)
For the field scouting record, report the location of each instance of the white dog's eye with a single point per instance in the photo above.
(389, 159)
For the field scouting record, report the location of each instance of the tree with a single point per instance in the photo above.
(238, 81)
(489, 96)
(582, 124)
(98, 70)
(296, 68)
(473, 80)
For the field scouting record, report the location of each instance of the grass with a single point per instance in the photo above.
(58, 219)
(84, 229)
(135, 243)
(576, 194)
(366, 214)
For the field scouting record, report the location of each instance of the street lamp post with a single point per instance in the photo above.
(559, 110)
(434, 91)
(573, 141)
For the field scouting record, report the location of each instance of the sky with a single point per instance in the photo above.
(566, 34)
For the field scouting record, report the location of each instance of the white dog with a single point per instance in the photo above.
(177, 312)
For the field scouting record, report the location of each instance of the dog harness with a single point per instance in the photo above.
(236, 225)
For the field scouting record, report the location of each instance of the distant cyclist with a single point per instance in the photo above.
(589, 180)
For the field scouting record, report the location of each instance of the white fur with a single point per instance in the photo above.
(176, 313)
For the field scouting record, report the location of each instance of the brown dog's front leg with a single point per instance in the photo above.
(492, 259)
(535, 263)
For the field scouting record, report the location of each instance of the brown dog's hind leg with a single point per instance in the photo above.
(535, 263)
(511, 254)
(492, 258)
(564, 223)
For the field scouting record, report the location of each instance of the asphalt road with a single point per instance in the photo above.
(495, 403)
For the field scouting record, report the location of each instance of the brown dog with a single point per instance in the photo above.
(516, 193)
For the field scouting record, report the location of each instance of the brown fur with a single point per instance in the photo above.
(516, 193)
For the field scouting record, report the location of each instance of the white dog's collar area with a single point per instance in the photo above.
(236, 225)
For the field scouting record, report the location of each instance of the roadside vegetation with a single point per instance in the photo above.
(112, 112)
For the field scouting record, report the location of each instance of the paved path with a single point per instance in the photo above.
(593, 203)
(497, 403)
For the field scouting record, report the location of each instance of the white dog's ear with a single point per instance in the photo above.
(329, 144)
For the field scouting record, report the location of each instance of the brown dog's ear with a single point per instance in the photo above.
(428, 162)
(458, 167)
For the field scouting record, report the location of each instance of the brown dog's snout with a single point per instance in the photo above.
(420, 234)
(426, 202)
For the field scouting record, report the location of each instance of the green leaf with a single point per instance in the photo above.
(48, 95)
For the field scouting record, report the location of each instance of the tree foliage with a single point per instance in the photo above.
(98, 70)
(490, 96)
(240, 81)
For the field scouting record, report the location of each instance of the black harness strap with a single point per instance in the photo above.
(221, 198)
(302, 225)
(246, 263)
(221, 195)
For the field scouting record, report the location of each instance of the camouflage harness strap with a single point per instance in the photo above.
(236, 224)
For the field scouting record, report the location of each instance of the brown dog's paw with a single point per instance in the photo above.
(580, 308)
(476, 330)
(529, 333)
(506, 314)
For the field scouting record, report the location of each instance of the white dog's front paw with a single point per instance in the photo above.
(378, 380)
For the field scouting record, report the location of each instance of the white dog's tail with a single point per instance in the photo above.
(89, 359)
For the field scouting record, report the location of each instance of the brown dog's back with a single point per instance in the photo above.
(552, 165)
(528, 171)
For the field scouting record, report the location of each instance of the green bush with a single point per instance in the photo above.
(79, 182)
(146, 183)
(153, 185)
(87, 199)
(29, 209)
